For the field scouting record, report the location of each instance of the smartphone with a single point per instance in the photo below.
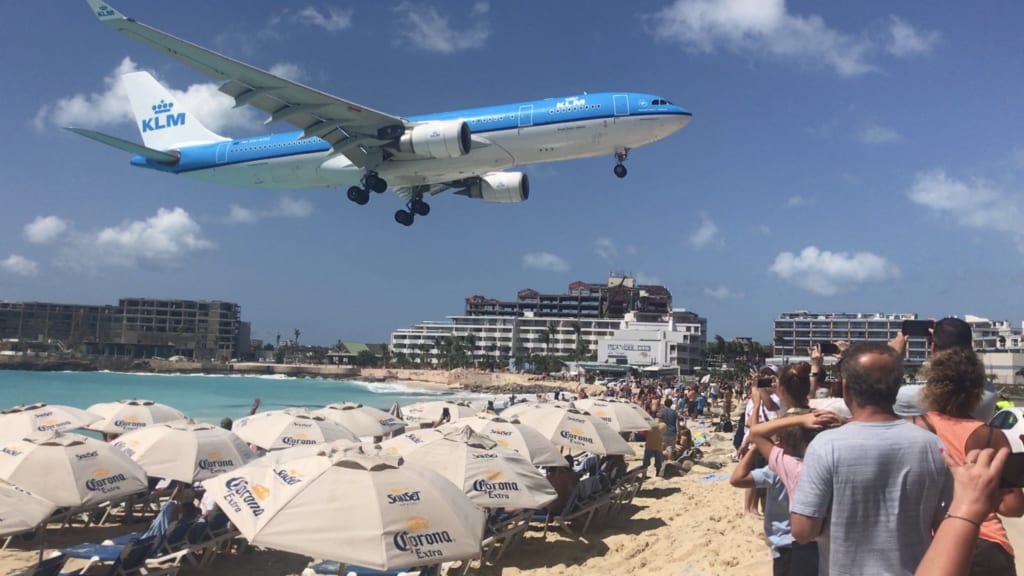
(921, 328)
(1013, 473)
(764, 382)
(828, 347)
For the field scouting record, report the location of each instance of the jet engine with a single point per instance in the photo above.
(501, 187)
(443, 139)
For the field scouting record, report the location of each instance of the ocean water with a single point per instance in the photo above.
(206, 398)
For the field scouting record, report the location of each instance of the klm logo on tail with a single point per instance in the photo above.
(104, 11)
(163, 118)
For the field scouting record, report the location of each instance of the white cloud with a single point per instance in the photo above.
(876, 134)
(978, 204)
(287, 207)
(45, 229)
(19, 265)
(111, 106)
(761, 27)
(796, 200)
(545, 261)
(706, 233)
(162, 240)
(606, 250)
(426, 29)
(905, 40)
(288, 70)
(826, 273)
(722, 292)
(330, 19)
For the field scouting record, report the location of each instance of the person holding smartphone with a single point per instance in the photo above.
(955, 381)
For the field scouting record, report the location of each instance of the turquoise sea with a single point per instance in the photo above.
(206, 398)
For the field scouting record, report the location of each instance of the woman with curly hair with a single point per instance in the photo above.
(955, 380)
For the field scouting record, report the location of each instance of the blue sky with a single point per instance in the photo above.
(854, 156)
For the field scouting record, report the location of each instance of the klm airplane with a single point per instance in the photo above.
(341, 143)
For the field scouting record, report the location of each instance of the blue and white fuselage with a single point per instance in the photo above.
(518, 134)
(342, 143)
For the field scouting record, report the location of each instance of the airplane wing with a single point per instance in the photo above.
(352, 129)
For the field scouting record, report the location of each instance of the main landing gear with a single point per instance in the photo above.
(415, 207)
(621, 155)
(361, 195)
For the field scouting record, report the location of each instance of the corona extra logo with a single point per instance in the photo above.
(241, 494)
(494, 485)
(104, 482)
(52, 424)
(576, 435)
(299, 439)
(216, 463)
(10, 451)
(129, 423)
(417, 539)
(163, 117)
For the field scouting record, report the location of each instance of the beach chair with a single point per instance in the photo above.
(330, 568)
(132, 559)
(587, 499)
(626, 489)
(50, 567)
(504, 531)
(207, 538)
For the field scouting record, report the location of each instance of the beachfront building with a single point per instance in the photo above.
(570, 325)
(134, 328)
(795, 332)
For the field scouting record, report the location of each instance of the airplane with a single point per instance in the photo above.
(342, 143)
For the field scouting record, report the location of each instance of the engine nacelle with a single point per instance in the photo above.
(442, 139)
(501, 187)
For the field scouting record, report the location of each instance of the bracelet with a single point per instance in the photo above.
(976, 525)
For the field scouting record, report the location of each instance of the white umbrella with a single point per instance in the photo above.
(431, 411)
(280, 429)
(361, 420)
(70, 470)
(404, 443)
(21, 510)
(576, 430)
(127, 415)
(185, 451)
(353, 508)
(513, 412)
(492, 476)
(515, 436)
(622, 416)
(28, 419)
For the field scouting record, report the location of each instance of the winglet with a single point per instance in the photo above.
(104, 11)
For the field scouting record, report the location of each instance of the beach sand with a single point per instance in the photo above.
(683, 526)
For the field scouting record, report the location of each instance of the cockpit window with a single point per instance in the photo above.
(660, 102)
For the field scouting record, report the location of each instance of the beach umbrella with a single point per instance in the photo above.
(396, 411)
(70, 470)
(353, 508)
(492, 476)
(515, 436)
(28, 419)
(127, 415)
(21, 510)
(431, 411)
(622, 416)
(576, 430)
(513, 412)
(404, 443)
(279, 429)
(185, 451)
(361, 420)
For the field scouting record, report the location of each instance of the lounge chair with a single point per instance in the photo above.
(626, 489)
(132, 559)
(587, 499)
(50, 567)
(504, 531)
(207, 537)
(330, 568)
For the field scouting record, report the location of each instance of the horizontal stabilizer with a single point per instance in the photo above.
(154, 155)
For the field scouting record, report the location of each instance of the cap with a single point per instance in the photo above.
(770, 368)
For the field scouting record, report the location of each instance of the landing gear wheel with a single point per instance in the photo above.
(620, 170)
(419, 207)
(404, 217)
(358, 195)
(375, 183)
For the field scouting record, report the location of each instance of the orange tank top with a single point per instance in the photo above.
(954, 433)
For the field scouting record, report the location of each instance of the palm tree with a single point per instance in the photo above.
(297, 333)
(277, 342)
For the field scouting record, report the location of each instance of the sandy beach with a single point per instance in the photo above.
(690, 525)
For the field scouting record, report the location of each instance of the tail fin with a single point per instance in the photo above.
(163, 121)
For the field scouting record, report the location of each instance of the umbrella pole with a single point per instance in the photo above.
(341, 569)
(41, 533)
